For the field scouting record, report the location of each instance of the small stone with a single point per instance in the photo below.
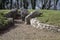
(47, 27)
(58, 30)
(44, 26)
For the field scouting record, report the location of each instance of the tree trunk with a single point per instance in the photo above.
(49, 4)
(33, 2)
(11, 4)
(25, 4)
(44, 5)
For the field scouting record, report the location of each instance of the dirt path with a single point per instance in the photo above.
(26, 32)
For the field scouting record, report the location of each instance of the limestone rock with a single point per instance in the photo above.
(12, 13)
(31, 15)
(35, 23)
(24, 13)
(58, 30)
(10, 19)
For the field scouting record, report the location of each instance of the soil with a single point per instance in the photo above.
(22, 31)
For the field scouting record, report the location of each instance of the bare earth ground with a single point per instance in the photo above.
(26, 32)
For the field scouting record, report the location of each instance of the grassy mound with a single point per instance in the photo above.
(50, 17)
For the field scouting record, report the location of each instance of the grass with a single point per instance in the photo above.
(4, 11)
(50, 17)
(3, 20)
(30, 10)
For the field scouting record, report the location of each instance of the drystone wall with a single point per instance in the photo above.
(36, 23)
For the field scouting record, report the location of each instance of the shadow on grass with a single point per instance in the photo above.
(10, 27)
(19, 21)
(7, 29)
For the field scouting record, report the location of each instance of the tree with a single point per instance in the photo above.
(49, 4)
(25, 4)
(44, 5)
(33, 2)
(17, 6)
(55, 4)
(2, 4)
(11, 4)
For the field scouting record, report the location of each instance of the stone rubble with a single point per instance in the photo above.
(35, 23)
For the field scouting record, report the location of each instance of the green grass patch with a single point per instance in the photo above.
(3, 20)
(50, 17)
(4, 11)
(30, 10)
